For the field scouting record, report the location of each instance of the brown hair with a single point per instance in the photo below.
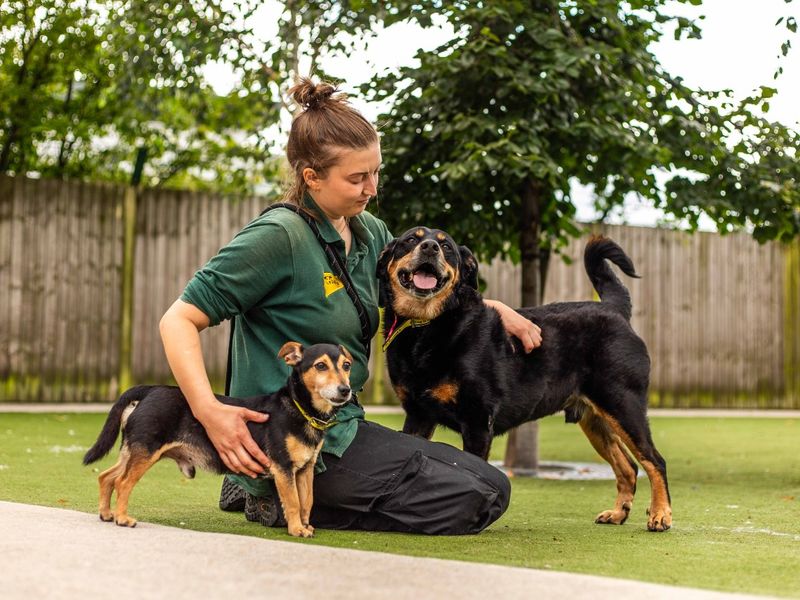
(326, 124)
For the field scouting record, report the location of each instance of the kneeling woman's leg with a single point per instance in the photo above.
(390, 481)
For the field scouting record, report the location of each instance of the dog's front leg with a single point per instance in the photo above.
(477, 436)
(286, 485)
(305, 492)
(418, 425)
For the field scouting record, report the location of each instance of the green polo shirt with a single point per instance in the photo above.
(274, 278)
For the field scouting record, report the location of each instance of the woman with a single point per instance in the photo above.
(275, 279)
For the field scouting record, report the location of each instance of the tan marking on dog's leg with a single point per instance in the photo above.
(660, 511)
(287, 492)
(305, 493)
(607, 445)
(138, 465)
(106, 481)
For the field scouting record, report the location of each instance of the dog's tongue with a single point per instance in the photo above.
(423, 281)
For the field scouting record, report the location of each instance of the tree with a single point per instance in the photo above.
(83, 84)
(486, 136)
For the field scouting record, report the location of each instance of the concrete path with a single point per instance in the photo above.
(56, 554)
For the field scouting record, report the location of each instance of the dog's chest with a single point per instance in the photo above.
(300, 452)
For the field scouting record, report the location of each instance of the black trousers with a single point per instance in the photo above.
(390, 481)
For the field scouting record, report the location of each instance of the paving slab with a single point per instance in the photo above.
(59, 554)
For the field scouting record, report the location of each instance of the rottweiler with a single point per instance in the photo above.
(451, 362)
(157, 423)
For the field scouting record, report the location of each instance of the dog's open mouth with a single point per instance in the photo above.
(424, 280)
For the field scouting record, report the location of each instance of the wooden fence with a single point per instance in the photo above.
(720, 315)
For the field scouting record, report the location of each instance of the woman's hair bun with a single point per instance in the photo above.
(312, 95)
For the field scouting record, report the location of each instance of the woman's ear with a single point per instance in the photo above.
(311, 178)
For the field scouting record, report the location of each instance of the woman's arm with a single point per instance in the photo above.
(225, 425)
(529, 333)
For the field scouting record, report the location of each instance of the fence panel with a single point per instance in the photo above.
(720, 314)
(709, 307)
(60, 279)
(176, 233)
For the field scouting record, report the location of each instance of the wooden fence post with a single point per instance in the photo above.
(126, 317)
(791, 324)
(128, 253)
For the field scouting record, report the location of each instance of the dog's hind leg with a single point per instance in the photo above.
(286, 485)
(607, 445)
(138, 464)
(107, 481)
(628, 420)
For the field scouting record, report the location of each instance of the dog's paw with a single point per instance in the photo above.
(612, 517)
(309, 527)
(660, 519)
(125, 521)
(301, 531)
(107, 516)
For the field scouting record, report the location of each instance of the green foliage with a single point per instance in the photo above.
(83, 84)
(486, 136)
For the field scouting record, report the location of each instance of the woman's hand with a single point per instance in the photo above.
(226, 427)
(527, 332)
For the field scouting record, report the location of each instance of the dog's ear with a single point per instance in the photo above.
(384, 258)
(382, 273)
(291, 352)
(468, 269)
(344, 351)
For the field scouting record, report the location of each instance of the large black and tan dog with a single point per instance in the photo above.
(451, 362)
(158, 423)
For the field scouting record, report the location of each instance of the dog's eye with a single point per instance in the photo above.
(321, 366)
(446, 247)
(345, 366)
(411, 239)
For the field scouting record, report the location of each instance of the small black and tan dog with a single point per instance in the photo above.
(157, 423)
(451, 362)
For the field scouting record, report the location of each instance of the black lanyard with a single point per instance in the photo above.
(339, 269)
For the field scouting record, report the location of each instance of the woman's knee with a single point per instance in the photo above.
(496, 503)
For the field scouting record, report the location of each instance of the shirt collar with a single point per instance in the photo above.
(361, 233)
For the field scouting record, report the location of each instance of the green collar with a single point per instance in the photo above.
(314, 421)
(394, 330)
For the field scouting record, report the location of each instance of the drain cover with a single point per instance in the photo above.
(562, 470)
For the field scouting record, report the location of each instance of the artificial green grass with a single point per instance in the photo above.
(735, 486)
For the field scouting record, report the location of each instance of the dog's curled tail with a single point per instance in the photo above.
(108, 435)
(608, 286)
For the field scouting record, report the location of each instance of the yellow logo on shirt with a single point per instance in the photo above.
(332, 283)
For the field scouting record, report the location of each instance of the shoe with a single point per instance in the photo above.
(231, 496)
(265, 510)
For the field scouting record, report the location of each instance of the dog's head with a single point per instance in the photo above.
(420, 271)
(324, 370)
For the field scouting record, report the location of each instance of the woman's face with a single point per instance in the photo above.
(348, 185)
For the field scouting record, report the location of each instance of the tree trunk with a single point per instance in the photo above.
(522, 449)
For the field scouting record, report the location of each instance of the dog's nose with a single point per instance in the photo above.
(429, 247)
(343, 390)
